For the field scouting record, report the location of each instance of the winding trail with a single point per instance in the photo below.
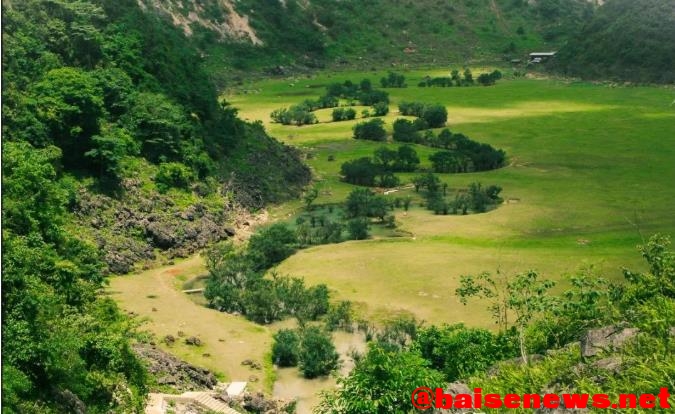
(155, 295)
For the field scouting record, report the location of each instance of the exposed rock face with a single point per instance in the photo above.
(605, 339)
(128, 232)
(174, 372)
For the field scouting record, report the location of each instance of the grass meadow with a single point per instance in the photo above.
(591, 172)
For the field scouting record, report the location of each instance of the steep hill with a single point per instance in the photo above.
(625, 40)
(115, 150)
(265, 34)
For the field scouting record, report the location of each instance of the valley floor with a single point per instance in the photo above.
(590, 174)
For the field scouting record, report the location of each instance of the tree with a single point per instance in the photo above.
(361, 171)
(318, 356)
(385, 158)
(160, 126)
(309, 197)
(381, 383)
(358, 228)
(381, 109)
(524, 295)
(468, 77)
(366, 85)
(271, 246)
(435, 115)
(286, 348)
(393, 80)
(407, 159)
(371, 130)
(405, 131)
(444, 162)
(70, 104)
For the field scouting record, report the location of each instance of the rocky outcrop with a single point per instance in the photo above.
(130, 231)
(174, 372)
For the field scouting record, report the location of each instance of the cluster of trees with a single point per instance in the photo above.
(364, 92)
(393, 80)
(237, 280)
(343, 114)
(456, 79)
(372, 130)
(378, 170)
(434, 116)
(294, 115)
(488, 79)
(310, 348)
(461, 154)
(531, 320)
(475, 198)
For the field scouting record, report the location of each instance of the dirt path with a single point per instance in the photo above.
(226, 339)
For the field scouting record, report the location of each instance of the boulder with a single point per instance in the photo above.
(606, 339)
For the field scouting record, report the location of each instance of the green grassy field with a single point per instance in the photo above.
(591, 170)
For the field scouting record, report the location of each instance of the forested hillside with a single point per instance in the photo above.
(625, 40)
(114, 141)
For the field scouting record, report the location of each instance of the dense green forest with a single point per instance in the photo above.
(105, 107)
(625, 40)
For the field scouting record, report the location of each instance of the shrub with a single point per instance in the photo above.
(286, 348)
(393, 80)
(295, 115)
(411, 108)
(435, 115)
(173, 175)
(405, 131)
(361, 171)
(271, 245)
(358, 228)
(371, 130)
(317, 353)
(381, 109)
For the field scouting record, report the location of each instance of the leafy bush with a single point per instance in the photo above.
(411, 108)
(361, 171)
(286, 348)
(405, 131)
(295, 115)
(173, 175)
(343, 114)
(358, 228)
(381, 109)
(435, 115)
(271, 245)
(371, 130)
(318, 356)
(393, 80)
(459, 352)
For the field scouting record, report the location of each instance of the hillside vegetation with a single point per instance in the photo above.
(115, 149)
(625, 40)
(317, 33)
